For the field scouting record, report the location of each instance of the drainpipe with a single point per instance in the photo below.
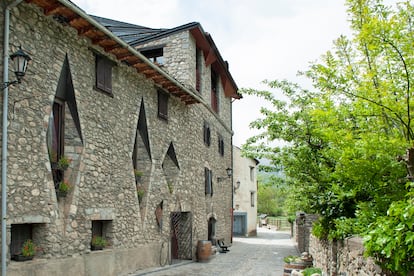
(4, 137)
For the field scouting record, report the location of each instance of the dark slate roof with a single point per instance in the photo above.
(136, 34)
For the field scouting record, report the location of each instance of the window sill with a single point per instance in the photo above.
(106, 92)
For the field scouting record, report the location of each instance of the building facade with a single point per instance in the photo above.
(143, 143)
(245, 194)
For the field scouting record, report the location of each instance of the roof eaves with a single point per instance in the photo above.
(165, 33)
(75, 9)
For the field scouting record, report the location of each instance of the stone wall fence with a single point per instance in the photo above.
(345, 257)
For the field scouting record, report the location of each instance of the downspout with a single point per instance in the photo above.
(232, 175)
(4, 136)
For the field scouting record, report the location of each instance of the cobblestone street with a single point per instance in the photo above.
(261, 255)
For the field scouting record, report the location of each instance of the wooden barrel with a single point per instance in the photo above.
(289, 267)
(203, 250)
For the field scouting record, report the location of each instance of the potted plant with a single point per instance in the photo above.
(98, 243)
(63, 163)
(138, 174)
(170, 187)
(27, 253)
(140, 192)
(63, 189)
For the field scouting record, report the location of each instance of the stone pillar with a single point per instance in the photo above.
(303, 230)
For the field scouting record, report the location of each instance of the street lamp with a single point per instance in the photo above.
(20, 60)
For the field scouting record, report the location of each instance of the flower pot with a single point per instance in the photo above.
(21, 258)
(96, 247)
(61, 193)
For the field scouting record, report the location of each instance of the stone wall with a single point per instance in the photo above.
(102, 169)
(342, 257)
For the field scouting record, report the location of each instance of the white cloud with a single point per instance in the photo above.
(261, 39)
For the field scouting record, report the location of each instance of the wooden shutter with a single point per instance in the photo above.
(100, 73)
(162, 105)
(103, 74)
(208, 181)
(207, 134)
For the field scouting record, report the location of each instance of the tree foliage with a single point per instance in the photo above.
(345, 139)
(271, 194)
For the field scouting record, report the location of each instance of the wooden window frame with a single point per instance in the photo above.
(214, 92)
(103, 74)
(19, 234)
(155, 55)
(207, 134)
(58, 141)
(208, 181)
(220, 145)
(198, 69)
(163, 105)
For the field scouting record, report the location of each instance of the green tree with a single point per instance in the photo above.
(344, 137)
(271, 195)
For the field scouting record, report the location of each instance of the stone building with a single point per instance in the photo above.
(148, 139)
(245, 194)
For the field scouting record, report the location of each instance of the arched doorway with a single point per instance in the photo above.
(212, 230)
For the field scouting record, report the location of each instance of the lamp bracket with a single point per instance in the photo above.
(7, 84)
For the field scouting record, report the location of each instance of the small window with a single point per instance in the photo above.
(220, 145)
(207, 134)
(198, 70)
(162, 105)
(252, 199)
(252, 173)
(101, 229)
(20, 233)
(155, 55)
(103, 74)
(208, 180)
(214, 92)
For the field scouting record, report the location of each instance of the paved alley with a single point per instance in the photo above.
(261, 255)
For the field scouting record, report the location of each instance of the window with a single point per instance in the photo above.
(220, 145)
(252, 173)
(162, 105)
(208, 179)
(103, 74)
(198, 70)
(19, 234)
(207, 134)
(102, 228)
(56, 138)
(154, 55)
(252, 199)
(214, 92)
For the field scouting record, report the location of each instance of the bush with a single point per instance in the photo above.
(311, 270)
(391, 238)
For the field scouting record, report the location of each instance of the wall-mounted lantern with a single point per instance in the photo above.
(20, 60)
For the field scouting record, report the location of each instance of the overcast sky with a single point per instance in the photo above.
(261, 39)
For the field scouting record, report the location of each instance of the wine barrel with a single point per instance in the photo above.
(203, 250)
